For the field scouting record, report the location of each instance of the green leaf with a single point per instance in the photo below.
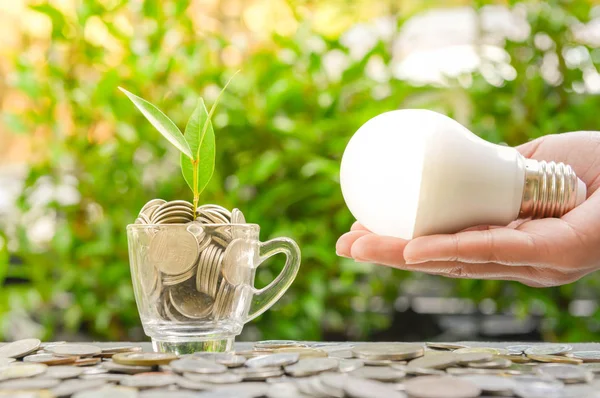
(161, 122)
(200, 136)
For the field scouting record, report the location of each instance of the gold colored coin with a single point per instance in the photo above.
(554, 359)
(144, 358)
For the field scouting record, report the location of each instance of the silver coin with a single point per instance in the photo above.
(127, 369)
(225, 300)
(6, 361)
(28, 384)
(348, 365)
(79, 350)
(237, 217)
(215, 268)
(273, 360)
(393, 351)
(311, 366)
(283, 390)
(149, 381)
(427, 371)
(379, 374)
(548, 349)
(537, 387)
(20, 369)
(63, 372)
(171, 393)
(361, 388)
(205, 268)
(168, 209)
(203, 239)
(108, 391)
(491, 350)
(566, 373)
(141, 220)
(473, 357)
(189, 384)
(172, 207)
(313, 386)
(197, 366)
(380, 362)
(121, 348)
(269, 344)
(235, 260)
(173, 251)
(230, 360)
(150, 281)
(593, 367)
(218, 378)
(441, 387)
(20, 348)
(342, 354)
(95, 370)
(247, 389)
(258, 374)
(149, 212)
(518, 349)
(438, 361)
(154, 204)
(70, 387)
(190, 302)
(445, 346)
(110, 377)
(172, 313)
(333, 383)
(50, 359)
(587, 356)
(491, 384)
(495, 363)
(580, 391)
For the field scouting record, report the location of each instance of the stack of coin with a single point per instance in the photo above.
(183, 276)
(284, 369)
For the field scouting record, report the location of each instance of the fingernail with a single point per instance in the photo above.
(341, 254)
(410, 261)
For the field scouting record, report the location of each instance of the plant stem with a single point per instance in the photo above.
(195, 176)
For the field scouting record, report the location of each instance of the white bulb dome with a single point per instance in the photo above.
(408, 173)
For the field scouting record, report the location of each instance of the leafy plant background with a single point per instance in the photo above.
(281, 128)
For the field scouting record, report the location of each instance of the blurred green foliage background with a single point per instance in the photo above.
(281, 129)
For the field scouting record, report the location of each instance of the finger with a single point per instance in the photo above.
(358, 227)
(502, 245)
(345, 242)
(528, 149)
(527, 275)
(379, 249)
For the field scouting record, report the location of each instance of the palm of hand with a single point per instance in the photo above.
(539, 253)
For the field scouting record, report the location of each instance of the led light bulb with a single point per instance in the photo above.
(413, 172)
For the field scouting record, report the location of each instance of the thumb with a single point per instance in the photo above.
(528, 149)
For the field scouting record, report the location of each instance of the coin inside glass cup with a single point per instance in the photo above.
(173, 251)
(189, 301)
(233, 263)
(149, 278)
(237, 217)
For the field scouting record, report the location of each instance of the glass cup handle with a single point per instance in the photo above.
(263, 299)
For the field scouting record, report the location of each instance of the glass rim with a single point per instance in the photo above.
(132, 226)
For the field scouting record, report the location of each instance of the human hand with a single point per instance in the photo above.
(540, 253)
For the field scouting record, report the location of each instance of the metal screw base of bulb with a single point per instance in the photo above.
(550, 189)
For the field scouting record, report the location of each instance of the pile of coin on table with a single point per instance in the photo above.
(183, 275)
(286, 369)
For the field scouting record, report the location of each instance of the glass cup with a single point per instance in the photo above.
(194, 283)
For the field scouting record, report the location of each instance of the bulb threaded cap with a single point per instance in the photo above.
(551, 190)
